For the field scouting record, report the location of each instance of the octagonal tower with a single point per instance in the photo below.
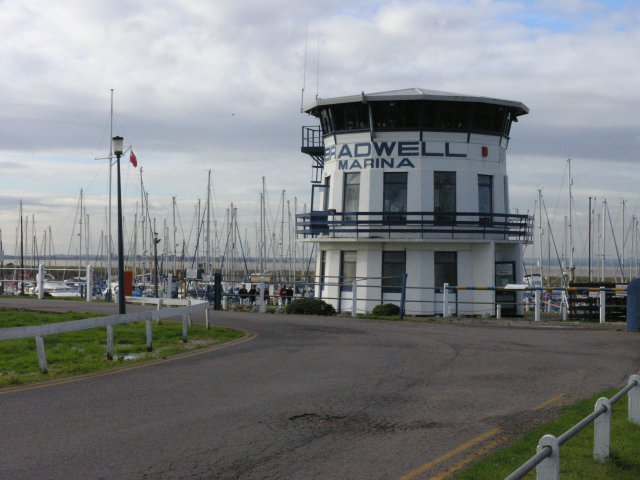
(410, 188)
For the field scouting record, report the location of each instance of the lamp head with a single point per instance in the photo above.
(117, 146)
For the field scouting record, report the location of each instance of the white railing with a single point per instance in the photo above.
(188, 307)
(547, 459)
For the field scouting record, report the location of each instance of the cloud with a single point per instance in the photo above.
(217, 85)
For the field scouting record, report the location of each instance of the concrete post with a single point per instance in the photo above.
(602, 431)
(547, 306)
(149, 335)
(403, 296)
(634, 400)
(498, 311)
(109, 342)
(603, 305)
(89, 283)
(261, 287)
(184, 328)
(42, 356)
(445, 300)
(41, 281)
(536, 296)
(354, 299)
(189, 314)
(549, 468)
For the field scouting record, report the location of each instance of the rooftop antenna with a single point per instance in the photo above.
(318, 67)
(304, 70)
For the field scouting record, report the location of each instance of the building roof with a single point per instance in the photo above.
(417, 94)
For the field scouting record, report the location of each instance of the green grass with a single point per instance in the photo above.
(576, 455)
(83, 352)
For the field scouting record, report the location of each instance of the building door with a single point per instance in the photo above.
(445, 270)
(506, 274)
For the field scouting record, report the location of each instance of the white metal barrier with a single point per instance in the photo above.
(547, 459)
(188, 306)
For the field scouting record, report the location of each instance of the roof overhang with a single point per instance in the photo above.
(416, 94)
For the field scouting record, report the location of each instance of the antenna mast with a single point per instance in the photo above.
(304, 70)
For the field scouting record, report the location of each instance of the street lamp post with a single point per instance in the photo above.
(117, 150)
(156, 240)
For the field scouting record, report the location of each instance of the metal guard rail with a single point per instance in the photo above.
(38, 332)
(452, 224)
(601, 444)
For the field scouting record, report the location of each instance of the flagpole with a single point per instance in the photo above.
(108, 295)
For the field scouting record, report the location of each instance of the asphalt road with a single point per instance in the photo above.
(310, 397)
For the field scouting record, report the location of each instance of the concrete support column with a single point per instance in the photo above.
(41, 281)
(445, 300)
(89, 283)
(549, 468)
(603, 305)
(602, 431)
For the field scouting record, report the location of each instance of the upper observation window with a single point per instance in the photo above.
(396, 115)
(430, 115)
(351, 116)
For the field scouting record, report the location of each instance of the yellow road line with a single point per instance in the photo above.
(468, 459)
(23, 388)
(451, 453)
(551, 401)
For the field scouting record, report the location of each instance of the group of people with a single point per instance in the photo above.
(251, 294)
(285, 293)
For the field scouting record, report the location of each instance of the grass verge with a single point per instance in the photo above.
(85, 351)
(576, 455)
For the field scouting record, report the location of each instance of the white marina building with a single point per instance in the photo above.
(409, 192)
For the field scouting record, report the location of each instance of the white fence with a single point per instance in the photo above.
(188, 307)
(547, 459)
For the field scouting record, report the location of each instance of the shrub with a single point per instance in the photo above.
(310, 306)
(386, 310)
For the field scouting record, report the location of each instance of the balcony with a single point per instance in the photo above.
(415, 225)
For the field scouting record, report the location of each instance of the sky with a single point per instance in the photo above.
(216, 85)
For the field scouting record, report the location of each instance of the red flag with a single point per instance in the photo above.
(133, 159)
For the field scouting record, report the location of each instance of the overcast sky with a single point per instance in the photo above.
(217, 85)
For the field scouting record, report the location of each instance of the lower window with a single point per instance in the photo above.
(393, 270)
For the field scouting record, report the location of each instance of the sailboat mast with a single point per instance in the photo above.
(143, 216)
(135, 242)
(589, 247)
(263, 234)
(572, 268)
(175, 245)
(604, 237)
(540, 235)
(81, 214)
(21, 254)
(208, 246)
(282, 236)
(623, 240)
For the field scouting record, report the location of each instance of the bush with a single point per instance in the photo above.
(310, 306)
(386, 310)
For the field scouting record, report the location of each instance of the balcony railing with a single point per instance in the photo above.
(411, 225)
